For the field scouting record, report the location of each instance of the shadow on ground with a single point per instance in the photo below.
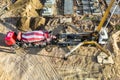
(2, 41)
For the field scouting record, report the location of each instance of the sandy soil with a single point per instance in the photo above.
(37, 64)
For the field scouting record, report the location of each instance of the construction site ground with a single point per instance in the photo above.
(37, 64)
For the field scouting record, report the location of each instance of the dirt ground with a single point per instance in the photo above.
(37, 64)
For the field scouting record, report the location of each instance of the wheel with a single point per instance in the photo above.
(48, 48)
(15, 46)
(24, 45)
(54, 41)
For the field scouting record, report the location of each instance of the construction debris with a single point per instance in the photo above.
(102, 58)
(49, 8)
(66, 20)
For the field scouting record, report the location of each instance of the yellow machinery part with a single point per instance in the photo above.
(86, 43)
(105, 16)
(96, 44)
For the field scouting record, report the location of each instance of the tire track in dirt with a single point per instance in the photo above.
(39, 68)
(50, 68)
(42, 66)
(53, 71)
(22, 55)
(43, 70)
